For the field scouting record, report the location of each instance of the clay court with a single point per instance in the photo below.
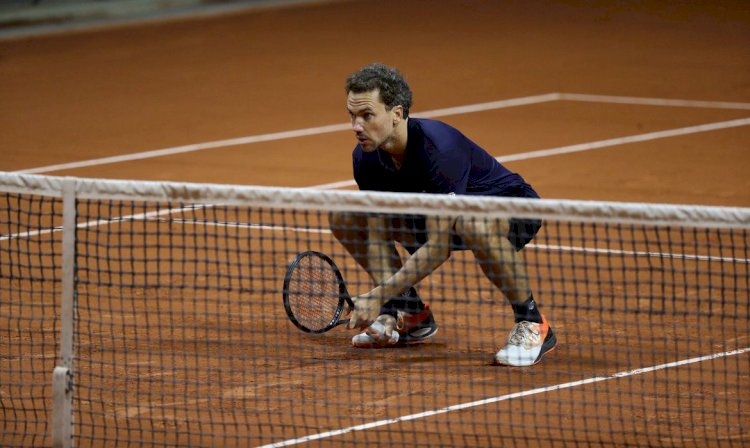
(645, 102)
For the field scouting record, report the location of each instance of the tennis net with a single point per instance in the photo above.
(150, 314)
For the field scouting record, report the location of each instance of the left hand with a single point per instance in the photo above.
(366, 310)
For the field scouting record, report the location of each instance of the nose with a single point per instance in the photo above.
(357, 125)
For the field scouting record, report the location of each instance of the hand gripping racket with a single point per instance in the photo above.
(315, 295)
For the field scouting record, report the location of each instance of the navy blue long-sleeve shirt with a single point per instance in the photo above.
(438, 159)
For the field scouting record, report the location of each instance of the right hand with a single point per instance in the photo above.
(384, 330)
(366, 310)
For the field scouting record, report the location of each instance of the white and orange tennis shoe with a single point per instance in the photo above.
(527, 344)
(404, 329)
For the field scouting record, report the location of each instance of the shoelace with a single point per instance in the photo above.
(520, 333)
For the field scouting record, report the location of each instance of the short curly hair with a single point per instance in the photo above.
(394, 90)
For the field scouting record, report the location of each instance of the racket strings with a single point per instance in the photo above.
(314, 293)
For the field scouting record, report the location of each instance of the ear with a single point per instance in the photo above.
(397, 114)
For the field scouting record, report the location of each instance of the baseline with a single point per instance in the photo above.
(458, 110)
(486, 401)
(283, 135)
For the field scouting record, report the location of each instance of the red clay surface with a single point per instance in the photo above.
(88, 95)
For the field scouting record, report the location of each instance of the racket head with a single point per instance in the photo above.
(314, 293)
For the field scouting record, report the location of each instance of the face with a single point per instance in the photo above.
(372, 123)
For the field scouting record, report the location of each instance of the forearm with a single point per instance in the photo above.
(423, 262)
(379, 259)
(381, 252)
(393, 281)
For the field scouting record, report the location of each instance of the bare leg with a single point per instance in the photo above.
(351, 229)
(352, 232)
(496, 256)
(531, 336)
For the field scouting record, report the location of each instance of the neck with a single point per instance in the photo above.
(397, 146)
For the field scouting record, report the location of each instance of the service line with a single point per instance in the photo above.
(592, 145)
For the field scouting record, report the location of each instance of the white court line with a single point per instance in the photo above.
(30, 233)
(502, 159)
(541, 247)
(592, 145)
(250, 226)
(103, 222)
(480, 107)
(349, 183)
(670, 255)
(27, 357)
(625, 140)
(610, 99)
(486, 401)
(188, 148)
(285, 135)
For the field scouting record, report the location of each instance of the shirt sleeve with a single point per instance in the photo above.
(360, 176)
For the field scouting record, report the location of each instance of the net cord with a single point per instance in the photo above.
(358, 201)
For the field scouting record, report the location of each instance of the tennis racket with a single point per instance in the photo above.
(315, 295)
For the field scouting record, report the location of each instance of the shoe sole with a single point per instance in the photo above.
(419, 340)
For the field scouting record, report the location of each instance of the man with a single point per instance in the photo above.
(402, 154)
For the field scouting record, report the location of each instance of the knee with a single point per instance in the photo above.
(343, 223)
(478, 232)
(337, 220)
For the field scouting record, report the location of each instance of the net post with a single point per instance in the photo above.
(62, 407)
(62, 382)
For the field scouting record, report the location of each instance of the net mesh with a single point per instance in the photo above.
(181, 338)
(29, 262)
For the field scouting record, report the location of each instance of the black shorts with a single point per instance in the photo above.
(520, 233)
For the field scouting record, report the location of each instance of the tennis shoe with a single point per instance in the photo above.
(404, 329)
(527, 343)
(415, 328)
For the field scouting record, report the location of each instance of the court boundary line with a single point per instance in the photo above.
(450, 111)
(155, 216)
(500, 398)
(647, 101)
(537, 246)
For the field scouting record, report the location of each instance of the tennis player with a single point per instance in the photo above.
(399, 153)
